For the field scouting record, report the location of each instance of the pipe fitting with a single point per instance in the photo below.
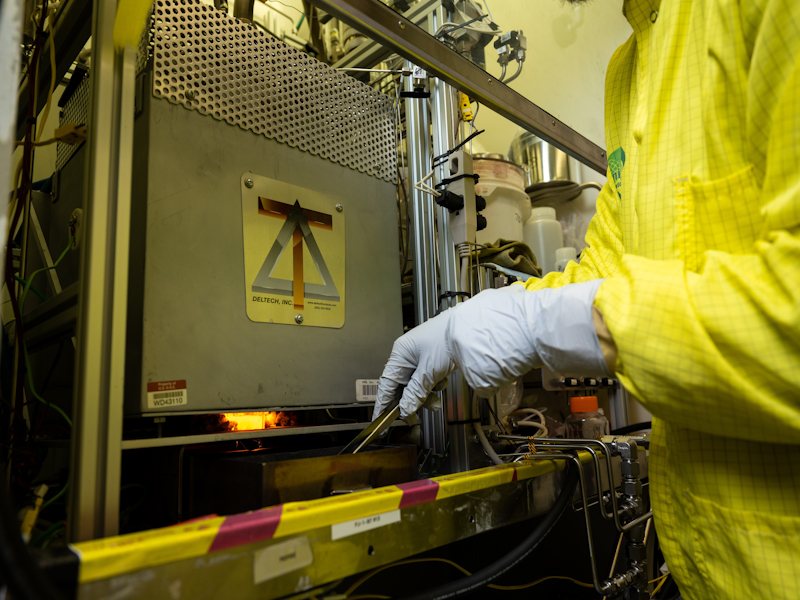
(632, 487)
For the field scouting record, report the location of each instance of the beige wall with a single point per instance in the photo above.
(568, 51)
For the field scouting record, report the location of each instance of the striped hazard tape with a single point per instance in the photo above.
(110, 557)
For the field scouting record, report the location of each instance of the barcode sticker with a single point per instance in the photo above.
(366, 390)
(166, 394)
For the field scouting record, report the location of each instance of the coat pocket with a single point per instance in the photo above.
(744, 554)
(728, 215)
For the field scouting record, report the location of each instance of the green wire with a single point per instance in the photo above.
(56, 497)
(300, 22)
(52, 529)
(25, 347)
(50, 539)
(27, 288)
(35, 291)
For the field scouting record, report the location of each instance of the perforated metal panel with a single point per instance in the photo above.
(145, 49)
(219, 66)
(76, 110)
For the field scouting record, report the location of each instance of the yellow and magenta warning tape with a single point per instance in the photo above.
(110, 557)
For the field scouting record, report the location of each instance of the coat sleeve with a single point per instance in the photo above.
(718, 350)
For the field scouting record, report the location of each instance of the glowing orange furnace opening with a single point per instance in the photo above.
(258, 420)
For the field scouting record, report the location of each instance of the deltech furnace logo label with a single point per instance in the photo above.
(294, 255)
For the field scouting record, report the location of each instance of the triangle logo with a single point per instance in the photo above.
(296, 232)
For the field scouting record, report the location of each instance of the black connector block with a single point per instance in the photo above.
(450, 201)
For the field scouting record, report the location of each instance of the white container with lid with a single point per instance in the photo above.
(502, 185)
(543, 234)
(563, 256)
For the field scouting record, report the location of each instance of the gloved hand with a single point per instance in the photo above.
(419, 361)
(494, 338)
(500, 335)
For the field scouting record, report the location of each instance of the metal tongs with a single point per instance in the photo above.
(389, 415)
(365, 437)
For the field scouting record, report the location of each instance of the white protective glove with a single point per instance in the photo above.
(500, 335)
(494, 338)
(419, 361)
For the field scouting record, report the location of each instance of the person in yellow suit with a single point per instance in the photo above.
(689, 290)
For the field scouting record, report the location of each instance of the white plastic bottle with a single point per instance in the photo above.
(563, 256)
(542, 233)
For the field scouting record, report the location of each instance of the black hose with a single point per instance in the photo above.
(17, 569)
(466, 586)
(632, 428)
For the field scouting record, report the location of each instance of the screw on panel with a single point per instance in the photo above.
(298, 319)
(339, 208)
(402, 25)
(248, 182)
(190, 95)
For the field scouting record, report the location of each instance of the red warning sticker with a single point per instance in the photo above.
(166, 394)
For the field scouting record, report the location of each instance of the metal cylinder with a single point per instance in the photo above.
(541, 161)
(242, 9)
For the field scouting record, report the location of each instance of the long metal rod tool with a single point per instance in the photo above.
(389, 415)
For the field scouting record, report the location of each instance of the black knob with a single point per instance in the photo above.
(450, 201)
(480, 203)
(481, 222)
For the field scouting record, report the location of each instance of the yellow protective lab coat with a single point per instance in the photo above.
(698, 235)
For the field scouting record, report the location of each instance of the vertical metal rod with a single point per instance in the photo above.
(444, 106)
(97, 414)
(423, 239)
(118, 326)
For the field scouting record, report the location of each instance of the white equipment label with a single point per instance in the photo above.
(282, 558)
(343, 530)
(166, 394)
(366, 390)
(419, 72)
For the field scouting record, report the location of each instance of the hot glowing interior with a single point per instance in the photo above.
(256, 420)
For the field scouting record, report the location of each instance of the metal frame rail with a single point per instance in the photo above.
(382, 24)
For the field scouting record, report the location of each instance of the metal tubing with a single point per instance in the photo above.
(97, 435)
(515, 75)
(380, 23)
(590, 450)
(422, 240)
(587, 517)
(570, 444)
(563, 443)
